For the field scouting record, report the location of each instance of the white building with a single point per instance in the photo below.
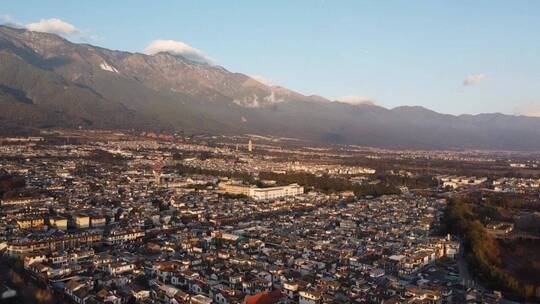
(116, 237)
(309, 297)
(275, 192)
(262, 193)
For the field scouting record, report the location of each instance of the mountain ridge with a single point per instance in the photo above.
(72, 85)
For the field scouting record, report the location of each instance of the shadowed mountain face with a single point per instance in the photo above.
(46, 81)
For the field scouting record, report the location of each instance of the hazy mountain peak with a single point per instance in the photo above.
(412, 109)
(47, 81)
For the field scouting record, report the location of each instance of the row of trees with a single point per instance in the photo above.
(9, 184)
(418, 182)
(483, 250)
(183, 169)
(328, 184)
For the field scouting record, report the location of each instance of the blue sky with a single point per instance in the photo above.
(451, 56)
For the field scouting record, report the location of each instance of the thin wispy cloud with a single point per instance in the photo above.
(5, 18)
(178, 48)
(9, 21)
(264, 80)
(356, 100)
(528, 109)
(474, 79)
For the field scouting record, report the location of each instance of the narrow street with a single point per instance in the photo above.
(466, 278)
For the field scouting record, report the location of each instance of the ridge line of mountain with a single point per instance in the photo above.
(47, 81)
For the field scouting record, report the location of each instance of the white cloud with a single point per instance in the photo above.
(264, 80)
(7, 20)
(178, 48)
(474, 79)
(356, 100)
(528, 109)
(53, 26)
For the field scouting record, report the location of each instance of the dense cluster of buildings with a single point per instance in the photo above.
(516, 185)
(126, 230)
(455, 182)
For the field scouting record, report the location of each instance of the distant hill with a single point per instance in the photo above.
(47, 81)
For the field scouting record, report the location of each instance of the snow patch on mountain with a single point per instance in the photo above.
(107, 67)
(273, 99)
(256, 102)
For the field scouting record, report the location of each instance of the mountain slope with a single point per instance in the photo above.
(47, 81)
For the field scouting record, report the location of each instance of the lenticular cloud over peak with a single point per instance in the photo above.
(53, 26)
(356, 100)
(178, 48)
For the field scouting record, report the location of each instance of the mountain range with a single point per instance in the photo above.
(47, 81)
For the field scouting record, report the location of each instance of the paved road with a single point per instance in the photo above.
(466, 278)
(464, 273)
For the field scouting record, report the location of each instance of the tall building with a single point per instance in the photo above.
(158, 166)
(157, 176)
(250, 146)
